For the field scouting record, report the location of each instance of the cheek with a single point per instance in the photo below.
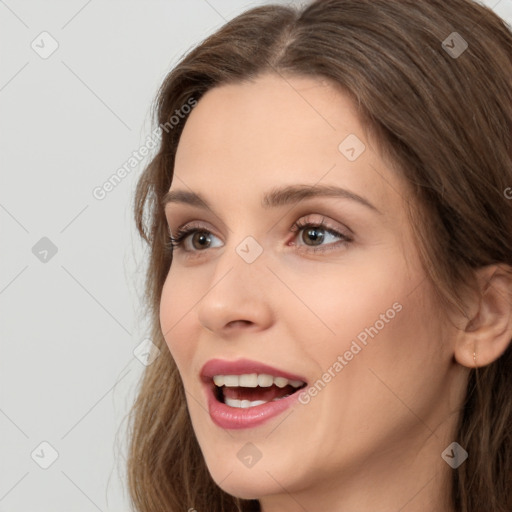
(399, 359)
(368, 395)
(333, 304)
(176, 317)
(375, 316)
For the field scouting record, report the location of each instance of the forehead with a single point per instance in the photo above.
(301, 114)
(277, 130)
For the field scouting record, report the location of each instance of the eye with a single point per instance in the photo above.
(197, 237)
(317, 232)
(194, 239)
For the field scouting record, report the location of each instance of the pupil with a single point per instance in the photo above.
(315, 234)
(201, 235)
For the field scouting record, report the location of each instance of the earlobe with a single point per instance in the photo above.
(488, 332)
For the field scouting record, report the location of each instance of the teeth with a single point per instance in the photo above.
(242, 404)
(280, 382)
(231, 380)
(253, 380)
(248, 381)
(245, 404)
(219, 380)
(265, 381)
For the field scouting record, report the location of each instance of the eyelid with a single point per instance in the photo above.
(302, 220)
(324, 222)
(194, 224)
(183, 214)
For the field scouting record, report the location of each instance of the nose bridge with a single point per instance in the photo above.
(244, 254)
(237, 290)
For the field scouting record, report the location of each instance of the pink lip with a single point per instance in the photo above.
(237, 418)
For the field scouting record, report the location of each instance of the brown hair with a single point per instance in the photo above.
(444, 121)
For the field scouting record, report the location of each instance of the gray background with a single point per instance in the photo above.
(71, 320)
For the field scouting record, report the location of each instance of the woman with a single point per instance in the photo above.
(330, 274)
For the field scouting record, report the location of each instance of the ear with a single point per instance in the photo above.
(488, 331)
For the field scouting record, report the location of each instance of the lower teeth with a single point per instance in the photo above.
(245, 404)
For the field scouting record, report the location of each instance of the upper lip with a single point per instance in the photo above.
(241, 367)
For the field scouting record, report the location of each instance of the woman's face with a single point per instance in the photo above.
(344, 307)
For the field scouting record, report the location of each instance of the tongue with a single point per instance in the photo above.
(253, 394)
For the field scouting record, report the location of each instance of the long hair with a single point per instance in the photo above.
(432, 82)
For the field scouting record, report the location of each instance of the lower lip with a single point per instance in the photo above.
(236, 418)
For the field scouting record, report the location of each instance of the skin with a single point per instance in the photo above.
(372, 438)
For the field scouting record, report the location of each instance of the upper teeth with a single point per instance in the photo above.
(253, 380)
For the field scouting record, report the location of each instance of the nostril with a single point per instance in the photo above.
(236, 323)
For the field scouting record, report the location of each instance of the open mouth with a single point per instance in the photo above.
(251, 390)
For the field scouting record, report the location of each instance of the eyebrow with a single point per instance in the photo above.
(275, 198)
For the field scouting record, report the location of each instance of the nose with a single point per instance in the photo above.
(238, 296)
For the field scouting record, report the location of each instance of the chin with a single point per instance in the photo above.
(248, 487)
(245, 483)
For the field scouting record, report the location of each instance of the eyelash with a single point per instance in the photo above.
(183, 233)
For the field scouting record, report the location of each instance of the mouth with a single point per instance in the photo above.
(253, 389)
(246, 394)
